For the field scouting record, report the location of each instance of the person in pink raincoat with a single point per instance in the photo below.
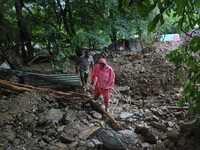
(104, 77)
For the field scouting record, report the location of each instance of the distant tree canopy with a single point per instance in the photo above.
(68, 26)
(186, 17)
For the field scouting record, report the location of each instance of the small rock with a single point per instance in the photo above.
(40, 131)
(64, 138)
(41, 144)
(155, 118)
(96, 142)
(173, 136)
(16, 141)
(111, 141)
(124, 90)
(90, 144)
(60, 129)
(73, 145)
(32, 127)
(9, 135)
(103, 124)
(170, 123)
(89, 132)
(28, 134)
(61, 145)
(124, 115)
(41, 108)
(148, 134)
(164, 136)
(96, 115)
(159, 126)
(46, 138)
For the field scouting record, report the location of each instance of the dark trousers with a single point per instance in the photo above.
(84, 77)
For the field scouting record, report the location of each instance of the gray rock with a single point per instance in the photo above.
(40, 131)
(43, 121)
(173, 136)
(155, 118)
(147, 132)
(96, 142)
(159, 126)
(64, 138)
(96, 115)
(60, 129)
(42, 144)
(72, 133)
(88, 132)
(46, 138)
(61, 145)
(90, 144)
(9, 135)
(55, 115)
(124, 90)
(170, 123)
(128, 136)
(103, 124)
(124, 115)
(73, 145)
(28, 134)
(111, 141)
(32, 127)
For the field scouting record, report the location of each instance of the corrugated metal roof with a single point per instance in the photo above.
(48, 80)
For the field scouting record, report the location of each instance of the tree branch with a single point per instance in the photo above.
(28, 10)
(183, 20)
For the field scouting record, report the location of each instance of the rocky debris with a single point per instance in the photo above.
(148, 133)
(88, 132)
(96, 115)
(129, 137)
(124, 90)
(111, 141)
(149, 72)
(124, 115)
(141, 103)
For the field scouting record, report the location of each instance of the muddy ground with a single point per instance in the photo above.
(143, 100)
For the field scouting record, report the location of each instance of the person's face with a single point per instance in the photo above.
(102, 65)
(87, 55)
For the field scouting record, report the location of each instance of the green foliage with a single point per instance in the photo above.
(1, 145)
(186, 60)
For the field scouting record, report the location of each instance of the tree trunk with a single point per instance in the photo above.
(70, 18)
(90, 45)
(24, 36)
(113, 37)
(63, 13)
(5, 29)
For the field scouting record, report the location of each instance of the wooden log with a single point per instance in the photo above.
(6, 85)
(97, 107)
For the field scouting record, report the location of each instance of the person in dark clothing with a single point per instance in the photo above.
(84, 64)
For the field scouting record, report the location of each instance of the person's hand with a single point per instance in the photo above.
(92, 82)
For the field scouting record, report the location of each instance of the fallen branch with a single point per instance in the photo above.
(97, 107)
(177, 108)
(64, 98)
(6, 85)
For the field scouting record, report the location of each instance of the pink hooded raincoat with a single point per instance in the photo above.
(104, 79)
